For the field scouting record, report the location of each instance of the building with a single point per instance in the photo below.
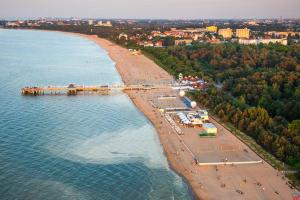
(203, 115)
(12, 24)
(283, 34)
(180, 76)
(243, 33)
(193, 83)
(90, 22)
(248, 42)
(263, 41)
(195, 119)
(212, 29)
(252, 23)
(268, 41)
(210, 128)
(214, 41)
(183, 42)
(106, 24)
(123, 35)
(146, 43)
(158, 43)
(183, 118)
(156, 33)
(226, 33)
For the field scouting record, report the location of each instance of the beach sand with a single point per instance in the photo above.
(257, 181)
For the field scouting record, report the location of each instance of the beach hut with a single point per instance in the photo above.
(195, 119)
(203, 114)
(210, 128)
(184, 120)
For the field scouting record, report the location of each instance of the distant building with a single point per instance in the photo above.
(252, 23)
(263, 41)
(106, 24)
(214, 41)
(158, 44)
(90, 22)
(226, 33)
(146, 43)
(12, 24)
(183, 42)
(268, 41)
(195, 30)
(156, 33)
(123, 35)
(175, 33)
(295, 41)
(197, 36)
(59, 23)
(283, 34)
(248, 42)
(243, 33)
(212, 29)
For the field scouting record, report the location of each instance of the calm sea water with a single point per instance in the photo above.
(82, 147)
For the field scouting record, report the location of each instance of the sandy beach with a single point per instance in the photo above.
(257, 181)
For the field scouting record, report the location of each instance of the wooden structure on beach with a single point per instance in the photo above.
(73, 89)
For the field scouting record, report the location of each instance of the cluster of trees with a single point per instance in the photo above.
(275, 134)
(259, 89)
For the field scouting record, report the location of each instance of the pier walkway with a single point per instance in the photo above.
(73, 89)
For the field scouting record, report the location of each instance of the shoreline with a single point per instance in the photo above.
(172, 165)
(203, 182)
(101, 43)
(190, 188)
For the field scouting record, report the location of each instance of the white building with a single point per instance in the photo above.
(12, 24)
(263, 41)
(184, 120)
(106, 24)
(280, 41)
(90, 22)
(203, 114)
(195, 119)
(123, 35)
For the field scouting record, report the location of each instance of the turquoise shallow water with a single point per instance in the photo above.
(82, 147)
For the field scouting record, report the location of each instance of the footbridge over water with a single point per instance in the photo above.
(73, 89)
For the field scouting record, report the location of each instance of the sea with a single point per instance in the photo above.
(74, 147)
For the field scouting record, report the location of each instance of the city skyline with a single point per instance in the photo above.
(154, 9)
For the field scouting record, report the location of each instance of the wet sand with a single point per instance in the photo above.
(259, 181)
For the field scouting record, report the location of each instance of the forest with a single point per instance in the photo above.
(255, 88)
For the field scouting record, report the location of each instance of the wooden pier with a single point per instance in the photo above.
(73, 89)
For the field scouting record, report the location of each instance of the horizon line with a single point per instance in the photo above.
(155, 19)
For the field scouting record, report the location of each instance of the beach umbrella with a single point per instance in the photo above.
(182, 93)
(193, 104)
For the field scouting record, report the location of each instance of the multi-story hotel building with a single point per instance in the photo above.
(243, 33)
(212, 29)
(226, 33)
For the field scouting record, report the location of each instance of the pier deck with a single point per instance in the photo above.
(73, 89)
